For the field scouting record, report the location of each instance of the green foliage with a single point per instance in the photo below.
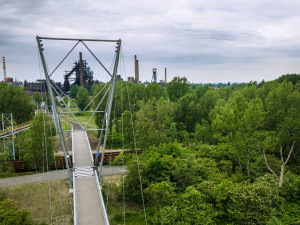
(82, 98)
(207, 102)
(201, 90)
(93, 88)
(74, 90)
(6, 168)
(14, 100)
(204, 133)
(10, 215)
(188, 111)
(37, 99)
(255, 203)
(291, 214)
(177, 88)
(293, 78)
(160, 194)
(65, 101)
(192, 201)
(291, 187)
(154, 90)
(274, 221)
(220, 176)
(153, 121)
(40, 153)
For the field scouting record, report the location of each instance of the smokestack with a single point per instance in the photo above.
(4, 68)
(136, 68)
(166, 76)
(81, 72)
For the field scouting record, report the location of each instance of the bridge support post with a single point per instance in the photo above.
(7, 120)
(108, 108)
(54, 111)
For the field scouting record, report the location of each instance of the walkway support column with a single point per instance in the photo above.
(54, 111)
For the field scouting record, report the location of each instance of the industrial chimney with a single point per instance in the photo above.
(165, 76)
(136, 68)
(81, 70)
(4, 68)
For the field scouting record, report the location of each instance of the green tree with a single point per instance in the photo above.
(14, 100)
(191, 208)
(82, 98)
(154, 90)
(11, 215)
(128, 130)
(188, 111)
(93, 88)
(283, 124)
(207, 102)
(238, 124)
(177, 88)
(66, 101)
(37, 99)
(74, 90)
(6, 168)
(255, 203)
(201, 90)
(153, 121)
(203, 132)
(157, 163)
(40, 154)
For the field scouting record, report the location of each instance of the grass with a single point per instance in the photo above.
(134, 214)
(35, 199)
(65, 125)
(83, 118)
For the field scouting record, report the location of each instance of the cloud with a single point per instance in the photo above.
(184, 35)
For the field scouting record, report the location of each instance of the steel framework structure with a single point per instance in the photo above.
(53, 89)
(7, 122)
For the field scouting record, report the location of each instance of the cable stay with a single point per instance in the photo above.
(135, 146)
(84, 172)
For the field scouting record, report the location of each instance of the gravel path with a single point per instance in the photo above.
(54, 175)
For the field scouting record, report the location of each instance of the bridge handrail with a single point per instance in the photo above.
(89, 145)
(16, 127)
(74, 199)
(73, 156)
(101, 200)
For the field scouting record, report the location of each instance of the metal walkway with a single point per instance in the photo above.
(88, 202)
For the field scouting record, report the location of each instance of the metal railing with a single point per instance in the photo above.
(101, 200)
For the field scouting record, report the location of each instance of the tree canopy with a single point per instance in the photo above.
(14, 100)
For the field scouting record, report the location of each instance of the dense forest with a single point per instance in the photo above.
(212, 155)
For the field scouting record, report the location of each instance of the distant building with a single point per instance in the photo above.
(119, 78)
(162, 83)
(131, 79)
(39, 85)
(11, 81)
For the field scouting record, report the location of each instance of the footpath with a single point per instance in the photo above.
(53, 175)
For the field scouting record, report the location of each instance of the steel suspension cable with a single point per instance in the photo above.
(64, 58)
(47, 164)
(135, 148)
(58, 182)
(96, 58)
(123, 164)
(74, 104)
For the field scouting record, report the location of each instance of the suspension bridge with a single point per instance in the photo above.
(84, 172)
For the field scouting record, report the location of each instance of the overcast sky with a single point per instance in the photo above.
(204, 40)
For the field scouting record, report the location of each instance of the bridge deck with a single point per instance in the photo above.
(87, 208)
